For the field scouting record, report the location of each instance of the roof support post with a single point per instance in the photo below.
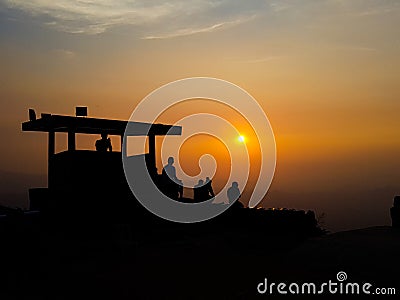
(50, 152)
(71, 141)
(152, 154)
(51, 144)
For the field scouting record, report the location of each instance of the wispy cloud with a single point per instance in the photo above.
(162, 19)
(175, 18)
(357, 48)
(362, 8)
(190, 31)
(92, 17)
(280, 6)
(184, 32)
(64, 53)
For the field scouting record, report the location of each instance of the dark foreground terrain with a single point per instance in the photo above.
(187, 261)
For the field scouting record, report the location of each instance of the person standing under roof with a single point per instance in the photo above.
(104, 144)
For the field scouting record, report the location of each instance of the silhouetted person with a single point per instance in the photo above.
(199, 191)
(395, 212)
(172, 184)
(169, 170)
(233, 192)
(208, 188)
(104, 143)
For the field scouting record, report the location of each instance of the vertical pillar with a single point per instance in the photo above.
(51, 144)
(71, 141)
(50, 152)
(152, 154)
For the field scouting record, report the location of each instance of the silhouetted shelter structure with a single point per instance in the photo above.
(89, 186)
(88, 179)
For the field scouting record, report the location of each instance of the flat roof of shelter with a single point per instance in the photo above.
(61, 123)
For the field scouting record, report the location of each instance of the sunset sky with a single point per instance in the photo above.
(326, 73)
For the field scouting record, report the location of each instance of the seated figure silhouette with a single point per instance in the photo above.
(395, 212)
(104, 143)
(208, 188)
(200, 191)
(233, 193)
(172, 185)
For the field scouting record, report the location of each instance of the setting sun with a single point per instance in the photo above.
(241, 138)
